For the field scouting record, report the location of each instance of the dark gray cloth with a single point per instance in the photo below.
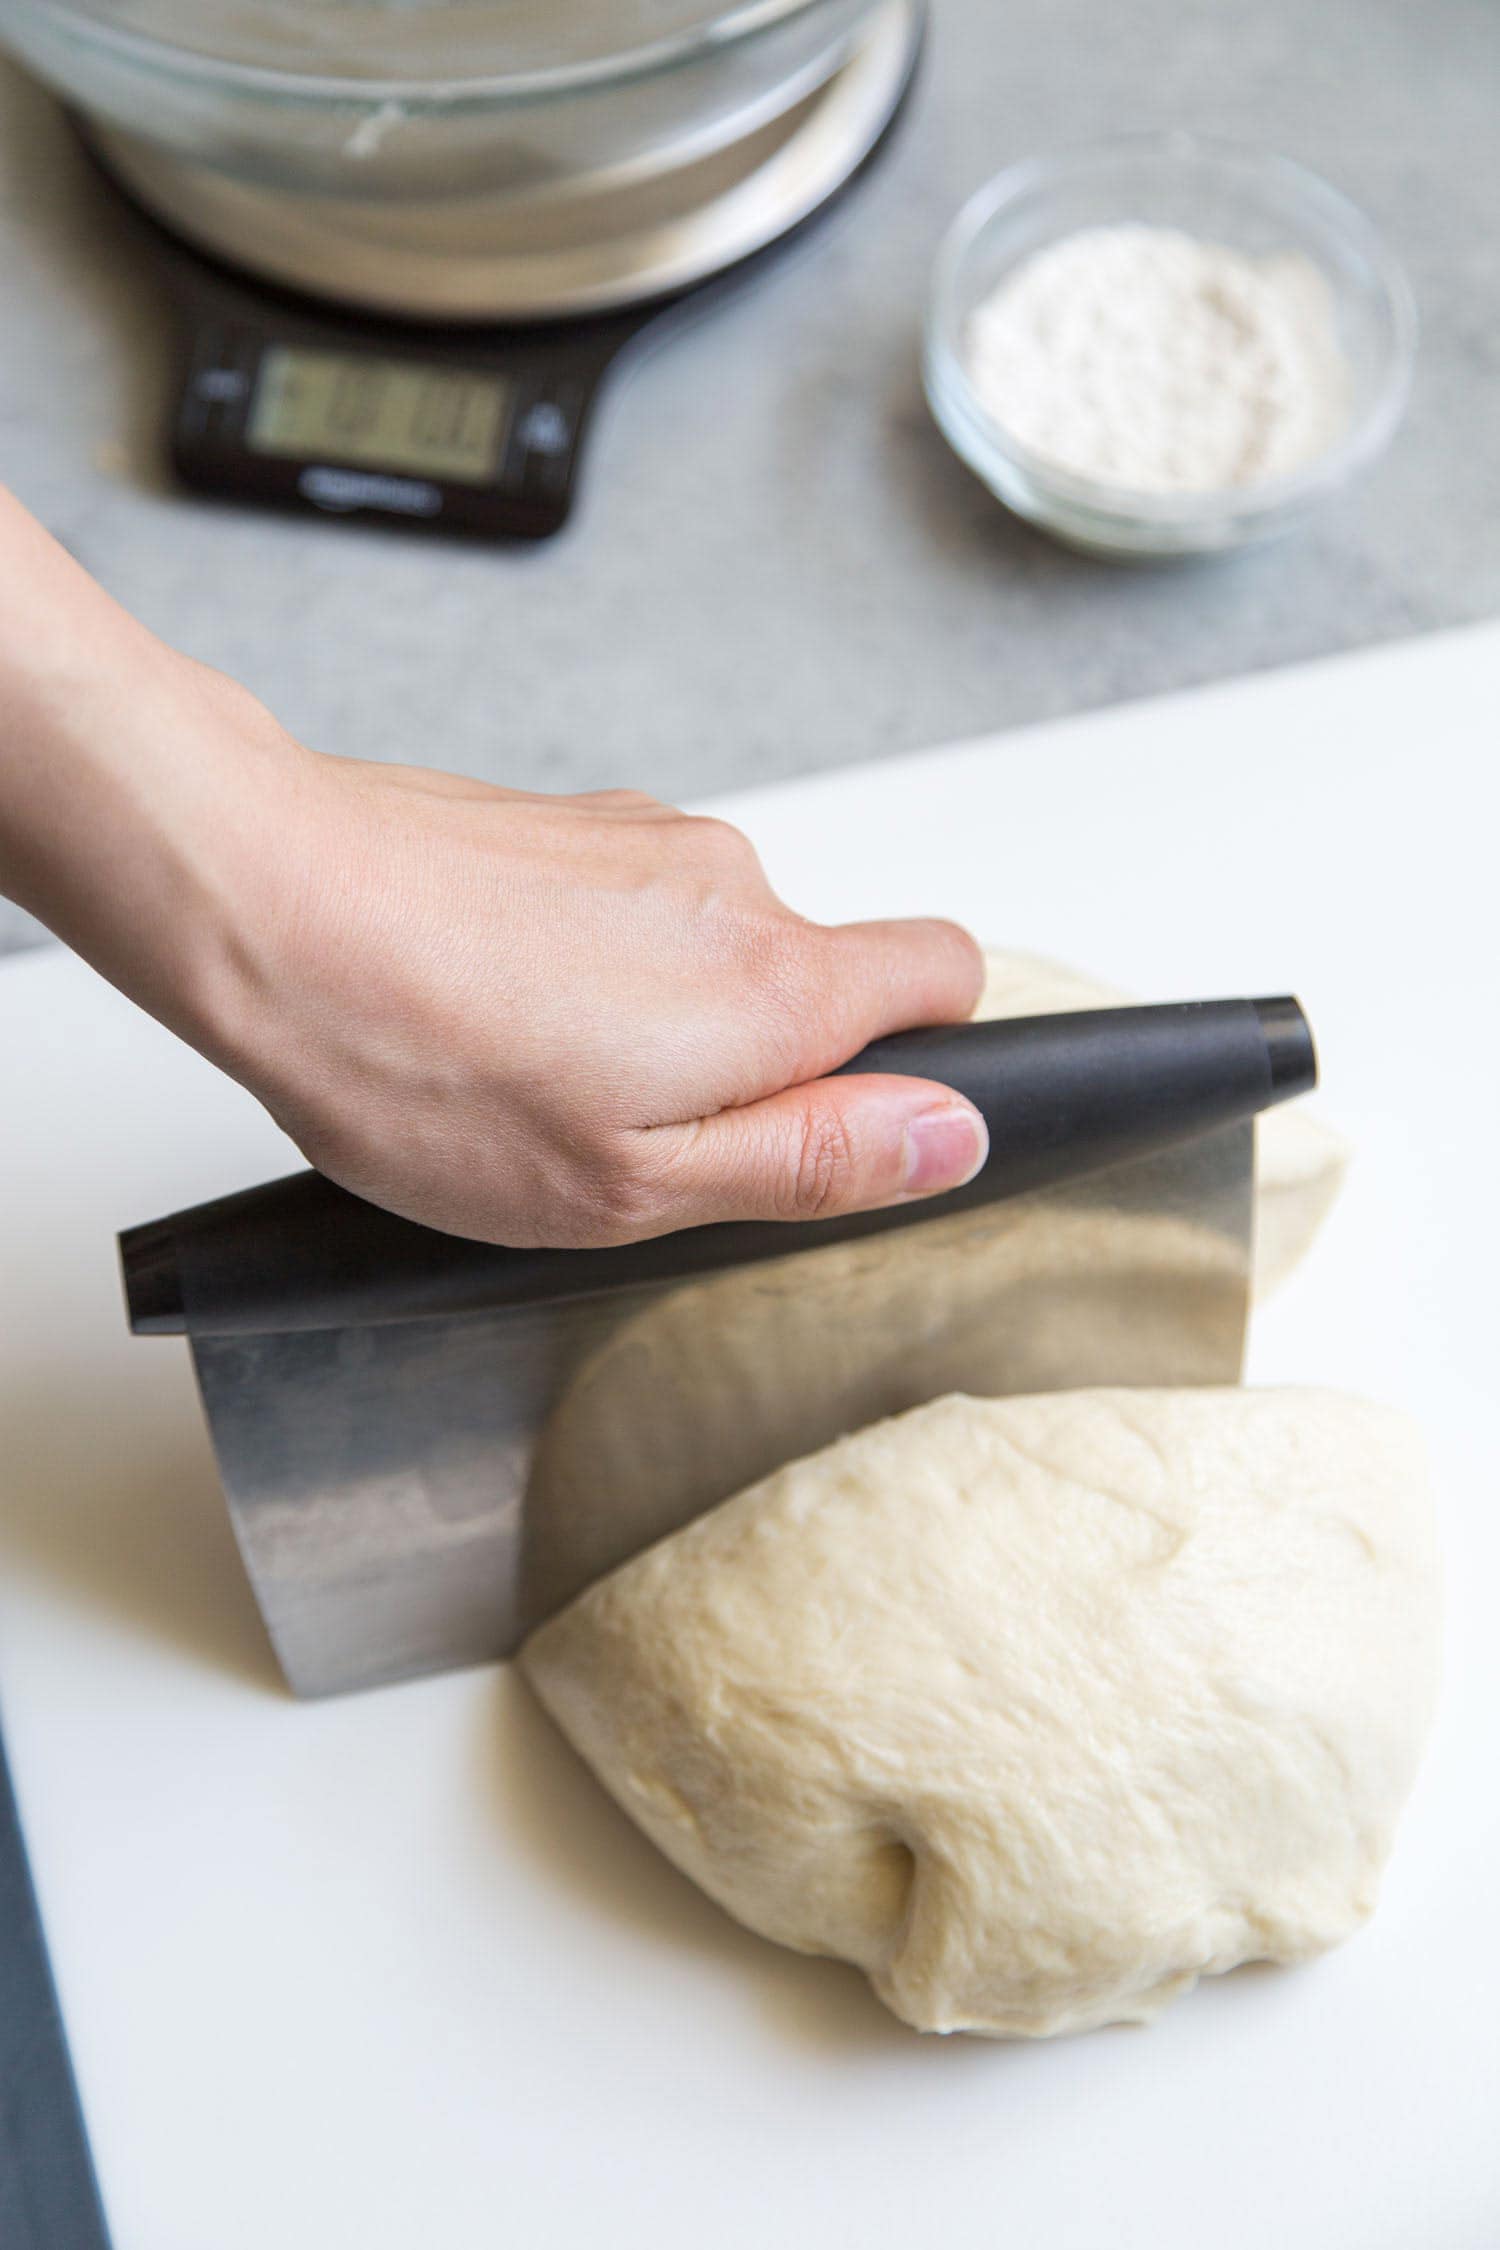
(49, 2197)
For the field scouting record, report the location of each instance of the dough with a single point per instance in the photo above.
(713, 1386)
(1038, 1709)
(1300, 1161)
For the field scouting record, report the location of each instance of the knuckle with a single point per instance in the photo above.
(788, 966)
(615, 1199)
(825, 1163)
(707, 833)
(808, 1008)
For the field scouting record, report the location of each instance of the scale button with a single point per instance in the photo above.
(544, 428)
(223, 384)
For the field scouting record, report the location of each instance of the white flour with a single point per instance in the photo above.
(1148, 359)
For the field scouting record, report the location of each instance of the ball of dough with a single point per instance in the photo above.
(1300, 1161)
(1038, 1709)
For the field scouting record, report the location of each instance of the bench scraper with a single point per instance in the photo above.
(429, 1445)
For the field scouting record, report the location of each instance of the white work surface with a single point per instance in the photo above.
(391, 1972)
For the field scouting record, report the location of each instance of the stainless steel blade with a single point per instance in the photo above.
(412, 1497)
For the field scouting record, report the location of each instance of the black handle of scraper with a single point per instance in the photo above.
(1062, 1096)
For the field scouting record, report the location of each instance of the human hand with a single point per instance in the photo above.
(528, 1019)
(567, 1020)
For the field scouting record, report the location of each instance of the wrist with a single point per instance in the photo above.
(135, 786)
(140, 791)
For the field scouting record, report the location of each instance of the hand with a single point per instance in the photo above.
(528, 1019)
(568, 1020)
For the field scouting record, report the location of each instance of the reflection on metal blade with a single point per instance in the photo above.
(414, 1497)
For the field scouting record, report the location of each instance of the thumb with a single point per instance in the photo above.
(817, 1151)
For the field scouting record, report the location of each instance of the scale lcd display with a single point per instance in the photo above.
(378, 413)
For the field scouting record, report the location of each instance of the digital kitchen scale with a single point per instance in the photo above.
(289, 398)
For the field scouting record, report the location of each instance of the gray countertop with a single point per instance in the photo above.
(776, 565)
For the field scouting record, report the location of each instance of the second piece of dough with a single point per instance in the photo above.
(1037, 1709)
(1300, 1161)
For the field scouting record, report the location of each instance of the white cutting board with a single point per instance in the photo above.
(391, 1973)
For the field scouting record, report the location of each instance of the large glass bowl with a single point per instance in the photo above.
(430, 98)
(1252, 202)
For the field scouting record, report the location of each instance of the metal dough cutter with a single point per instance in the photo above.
(429, 1445)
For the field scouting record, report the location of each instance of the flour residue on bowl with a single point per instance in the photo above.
(1144, 358)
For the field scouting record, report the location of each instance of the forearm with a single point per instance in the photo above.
(123, 791)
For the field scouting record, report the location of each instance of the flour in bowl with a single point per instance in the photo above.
(1144, 358)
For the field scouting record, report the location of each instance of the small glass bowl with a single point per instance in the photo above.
(1249, 201)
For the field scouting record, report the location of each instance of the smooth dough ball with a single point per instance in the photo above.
(1300, 1161)
(1038, 1709)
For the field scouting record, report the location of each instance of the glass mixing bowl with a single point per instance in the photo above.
(1252, 202)
(430, 99)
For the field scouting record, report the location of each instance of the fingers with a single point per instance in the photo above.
(893, 976)
(815, 1151)
(824, 1147)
